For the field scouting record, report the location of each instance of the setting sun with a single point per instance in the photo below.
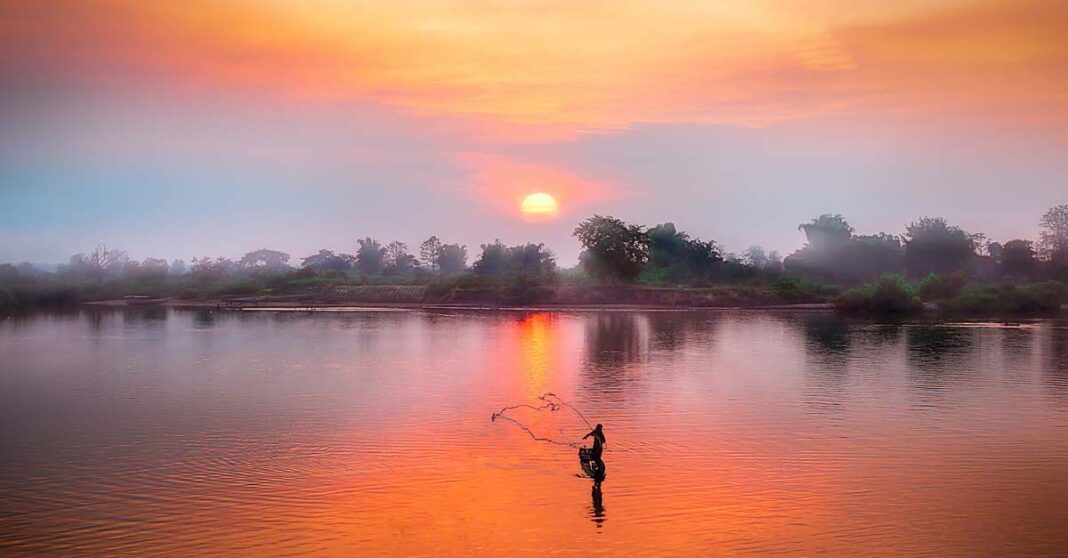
(539, 203)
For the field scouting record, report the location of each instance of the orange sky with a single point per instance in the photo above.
(485, 78)
(577, 66)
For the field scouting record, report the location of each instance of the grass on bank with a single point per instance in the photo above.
(892, 294)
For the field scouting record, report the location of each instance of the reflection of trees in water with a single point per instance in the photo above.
(827, 334)
(938, 353)
(831, 338)
(1017, 343)
(834, 346)
(204, 317)
(150, 317)
(1057, 359)
(21, 318)
(828, 339)
(614, 341)
(882, 334)
(98, 318)
(670, 331)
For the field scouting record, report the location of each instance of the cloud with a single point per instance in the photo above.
(531, 71)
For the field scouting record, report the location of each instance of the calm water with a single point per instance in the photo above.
(730, 433)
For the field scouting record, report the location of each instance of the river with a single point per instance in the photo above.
(183, 433)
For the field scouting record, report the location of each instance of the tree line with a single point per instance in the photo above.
(615, 252)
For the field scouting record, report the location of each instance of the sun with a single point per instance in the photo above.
(539, 204)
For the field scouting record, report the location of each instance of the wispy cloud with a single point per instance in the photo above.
(567, 67)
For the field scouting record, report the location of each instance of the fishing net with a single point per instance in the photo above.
(543, 423)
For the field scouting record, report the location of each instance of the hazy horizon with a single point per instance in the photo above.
(188, 129)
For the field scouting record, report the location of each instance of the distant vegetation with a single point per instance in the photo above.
(932, 262)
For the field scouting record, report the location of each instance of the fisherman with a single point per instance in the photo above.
(598, 448)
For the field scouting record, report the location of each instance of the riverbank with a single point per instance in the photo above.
(537, 298)
(558, 297)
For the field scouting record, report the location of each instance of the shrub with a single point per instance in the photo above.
(654, 276)
(892, 295)
(797, 289)
(857, 299)
(889, 295)
(932, 288)
(787, 288)
(956, 283)
(245, 287)
(574, 276)
(1040, 297)
(1050, 294)
(1059, 271)
(442, 286)
(974, 300)
(527, 289)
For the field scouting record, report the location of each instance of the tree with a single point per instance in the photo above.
(327, 260)
(95, 266)
(872, 255)
(614, 250)
(996, 251)
(1053, 240)
(178, 267)
(207, 270)
(430, 252)
(530, 261)
(677, 257)
(702, 259)
(131, 269)
(1018, 258)
(271, 261)
(110, 261)
(665, 245)
(452, 259)
(827, 231)
(155, 269)
(774, 265)
(493, 261)
(834, 253)
(933, 287)
(370, 256)
(755, 256)
(9, 274)
(979, 243)
(27, 269)
(934, 246)
(150, 271)
(398, 260)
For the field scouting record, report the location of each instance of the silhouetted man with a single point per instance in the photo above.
(598, 448)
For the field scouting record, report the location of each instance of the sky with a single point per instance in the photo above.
(192, 128)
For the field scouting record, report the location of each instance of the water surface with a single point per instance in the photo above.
(729, 433)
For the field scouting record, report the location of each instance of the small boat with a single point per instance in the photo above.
(589, 466)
